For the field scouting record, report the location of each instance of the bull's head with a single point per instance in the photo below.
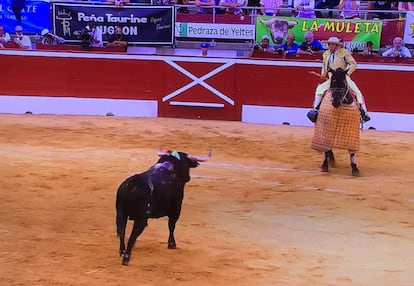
(182, 162)
(278, 28)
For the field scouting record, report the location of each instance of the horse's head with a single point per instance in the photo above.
(338, 86)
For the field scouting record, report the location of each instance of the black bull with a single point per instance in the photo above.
(155, 193)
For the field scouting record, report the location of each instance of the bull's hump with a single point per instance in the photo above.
(167, 165)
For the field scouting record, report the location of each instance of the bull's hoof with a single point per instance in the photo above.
(172, 246)
(324, 168)
(125, 260)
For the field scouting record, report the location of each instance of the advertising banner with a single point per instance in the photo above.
(214, 31)
(141, 24)
(355, 33)
(34, 17)
(409, 28)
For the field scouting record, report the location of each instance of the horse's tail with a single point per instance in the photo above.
(121, 214)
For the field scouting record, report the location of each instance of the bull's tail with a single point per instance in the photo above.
(121, 216)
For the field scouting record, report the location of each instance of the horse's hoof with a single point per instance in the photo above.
(332, 163)
(355, 170)
(172, 246)
(324, 168)
(121, 252)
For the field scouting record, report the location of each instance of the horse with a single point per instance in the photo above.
(338, 122)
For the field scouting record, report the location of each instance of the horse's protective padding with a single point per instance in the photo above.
(336, 127)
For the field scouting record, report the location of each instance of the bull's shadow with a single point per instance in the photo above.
(155, 193)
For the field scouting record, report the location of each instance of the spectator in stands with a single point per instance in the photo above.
(252, 4)
(398, 50)
(324, 4)
(369, 50)
(204, 49)
(289, 47)
(233, 6)
(270, 7)
(118, 39)
(204, 6)
(4, 37)
(404, 7)
(17, 7)
(350, 9)
(305, 8)
(265, 46)
(21, 40)
(96, 35)
(118, 3)
(50, 39)
(380, 5)
(310, 46)
(182, 9)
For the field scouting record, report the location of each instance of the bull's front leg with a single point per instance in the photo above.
(121, 245)
(172, 220)
(173, 217)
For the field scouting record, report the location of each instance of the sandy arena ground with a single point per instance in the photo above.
(260, 212)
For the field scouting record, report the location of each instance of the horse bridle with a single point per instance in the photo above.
(343, 90)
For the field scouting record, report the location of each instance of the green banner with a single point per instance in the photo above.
(355, 33)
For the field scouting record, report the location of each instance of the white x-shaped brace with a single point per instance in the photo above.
(200, 81)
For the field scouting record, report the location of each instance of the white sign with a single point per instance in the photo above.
(214, 31)
(409, 28)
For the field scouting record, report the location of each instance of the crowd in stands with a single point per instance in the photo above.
(348, 9)
(19, 40)
(312, 46)
(91, 36)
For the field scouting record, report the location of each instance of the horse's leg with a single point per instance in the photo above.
(137, 229)
(355, 170)
(331, 158)
(328, 157)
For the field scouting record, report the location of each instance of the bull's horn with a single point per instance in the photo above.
(269, 22)
(161, 153)
(292, 23)
(199, 158)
